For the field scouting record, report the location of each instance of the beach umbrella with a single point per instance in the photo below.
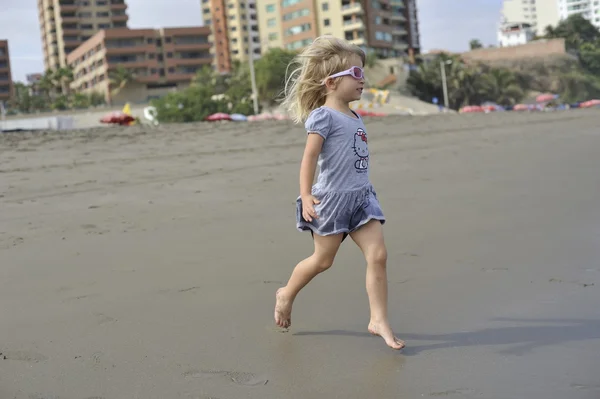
(590, 104)
(521, 107)
(469, 109)
(546, 97)
(219, 116)
(117, 118)
(239, 117)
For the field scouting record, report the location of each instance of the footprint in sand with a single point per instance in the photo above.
(241, 378)
(22, 356)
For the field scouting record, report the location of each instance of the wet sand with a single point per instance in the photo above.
(142, 263)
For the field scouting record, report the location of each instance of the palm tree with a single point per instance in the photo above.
(119, 78)
(500, 85)
(475, 44)
(372, 61)
(64, 77)
(47, 84)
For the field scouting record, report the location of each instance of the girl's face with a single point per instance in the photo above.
(348, 88)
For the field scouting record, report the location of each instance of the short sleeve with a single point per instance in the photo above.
(319, 121)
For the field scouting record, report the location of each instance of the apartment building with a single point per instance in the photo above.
(160, 61)
(542, 13)
(389, 27)
(234, 31)
(6, 85)
(66, 24)
(590, 9)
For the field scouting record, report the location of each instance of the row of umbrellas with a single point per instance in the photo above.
(541, 102)
(265, 116)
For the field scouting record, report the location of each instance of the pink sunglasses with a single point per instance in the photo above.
(355, 72)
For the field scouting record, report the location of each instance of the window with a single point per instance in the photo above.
(270, 7)
(287, 3)
(294, 30)
(378, 20)
(169, 55)
(102, 14)
(299, 44)
(326, 22)
(271, 22)
(101, 2)
(273, 36)
(325, 6)
(296, 14)
(171, 70)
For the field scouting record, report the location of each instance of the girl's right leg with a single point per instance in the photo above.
(326, 248)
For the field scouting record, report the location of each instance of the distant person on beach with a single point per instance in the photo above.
(342, 202)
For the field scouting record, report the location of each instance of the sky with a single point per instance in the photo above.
(444, 24)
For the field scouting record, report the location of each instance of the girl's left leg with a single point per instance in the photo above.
(369, 239)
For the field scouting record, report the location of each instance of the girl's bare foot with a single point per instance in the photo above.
(385, 331)
(283, 309)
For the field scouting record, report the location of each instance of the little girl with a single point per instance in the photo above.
(343, 201)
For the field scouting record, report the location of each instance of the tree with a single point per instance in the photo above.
(47, 85)
(576, 30)
(63, 77)
(475, 44)
(467, 84)
(372, 60)
(271, 71)
(589, 55)
(500, 84)
(190, 105)
(119, 78)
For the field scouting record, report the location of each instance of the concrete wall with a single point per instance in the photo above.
(538, 48)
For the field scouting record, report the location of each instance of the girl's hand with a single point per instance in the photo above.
(308, 207)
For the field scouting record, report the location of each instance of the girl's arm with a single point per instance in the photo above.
(314, 143)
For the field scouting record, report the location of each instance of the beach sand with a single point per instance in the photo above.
(143, 262)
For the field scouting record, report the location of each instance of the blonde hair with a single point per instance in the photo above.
(304, 88)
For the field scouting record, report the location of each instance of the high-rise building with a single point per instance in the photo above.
(6, 85)
(159, 61)
(234, 30)
(389, 27)
(542, 13)
(65, 24)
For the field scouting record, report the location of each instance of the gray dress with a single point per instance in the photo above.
(348, 200)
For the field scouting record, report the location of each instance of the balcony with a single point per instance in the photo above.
(398, 17)
(353, 9)
(356, 24)
(398, 30)
(69, 18)
(189, 61)
(118, 6)
(400, 46)
(190, 46)
(119, 18)
(359, 42)
(141, 49)
(70, 7)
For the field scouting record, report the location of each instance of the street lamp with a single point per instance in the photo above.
(444, 82)
(251, 58)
